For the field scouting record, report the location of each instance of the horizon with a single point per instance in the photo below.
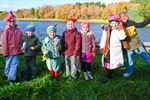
(10, 5)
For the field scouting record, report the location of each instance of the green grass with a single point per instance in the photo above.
(43, 88)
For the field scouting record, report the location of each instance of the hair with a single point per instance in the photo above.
(123, 13)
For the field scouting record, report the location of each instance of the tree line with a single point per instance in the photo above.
(136, 8)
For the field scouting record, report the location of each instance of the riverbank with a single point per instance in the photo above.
(61, 20)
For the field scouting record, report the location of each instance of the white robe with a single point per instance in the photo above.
(116, 54)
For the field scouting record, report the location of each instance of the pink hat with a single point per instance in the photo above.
(83, 23)
(9, 17)
(114, 18)
(71, 19)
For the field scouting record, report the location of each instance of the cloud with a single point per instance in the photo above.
(5, 7)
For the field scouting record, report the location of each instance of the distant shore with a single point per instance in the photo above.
(89, 20)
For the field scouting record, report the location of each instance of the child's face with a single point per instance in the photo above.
(124, 17)
(12, 22)
(114, 24)
(70, 25)
(29, 33)
(85, 28)
(52, 34)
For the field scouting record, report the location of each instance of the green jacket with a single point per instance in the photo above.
(32, 41)
(48, 46)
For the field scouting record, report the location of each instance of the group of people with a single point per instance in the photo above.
(76, 46)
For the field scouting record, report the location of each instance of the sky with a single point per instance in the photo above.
(8, 5)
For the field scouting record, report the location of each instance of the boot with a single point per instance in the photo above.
(56, 76)
(90, 75)
(51, 72)
(86, 75)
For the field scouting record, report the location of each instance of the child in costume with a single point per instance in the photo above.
(71, 40)
(111, 46)
(51, 48)
(30, 45)
(10, 46)
(88, 49)
(135, 45)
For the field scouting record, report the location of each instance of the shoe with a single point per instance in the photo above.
(4, 77)
(126, 75)
(86, 75)
(90, 75)
(13, 81)
(56, 79)
(74, 77)
(105, 80)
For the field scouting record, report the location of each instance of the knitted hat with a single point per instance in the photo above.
(85, 23)
(52, 29)
(9, 17)
(71, 19)
(114, 18)
(30, 27)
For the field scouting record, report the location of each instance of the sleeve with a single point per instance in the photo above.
(122, 35)
(103, 40)
(59, 45)
(21, 42)
(44, 48)
(63, 41)
(93, 44)
(77, 44)
(4, 39)
(142, 24)
(38, 44)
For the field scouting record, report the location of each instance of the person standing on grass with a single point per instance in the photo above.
(88, 49)
(111, 46)
(135, 45)
(71, 45)
(29, 45)
(11, 37)
(51, 50)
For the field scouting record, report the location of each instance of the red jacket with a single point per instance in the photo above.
(10, 41)
(71, 42)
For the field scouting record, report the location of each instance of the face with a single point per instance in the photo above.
(124, 17)
(29, 33)
(52, 34)
(85, 28)
(70, 25)
(114, 24)
(12, 22)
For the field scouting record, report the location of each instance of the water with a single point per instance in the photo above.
(41, 26)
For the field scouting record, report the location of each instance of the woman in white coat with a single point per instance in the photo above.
(111, 46)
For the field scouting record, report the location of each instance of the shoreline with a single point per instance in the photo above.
(98, 21)
(61, 20)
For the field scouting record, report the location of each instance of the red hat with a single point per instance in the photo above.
(71, 19)
(114, 18)
(9, 17)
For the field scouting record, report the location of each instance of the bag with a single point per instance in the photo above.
(87, 57)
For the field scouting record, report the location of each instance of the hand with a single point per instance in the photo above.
(120, 26)
(77, 58)
(93, 54)
(32, 48)
(46, 55)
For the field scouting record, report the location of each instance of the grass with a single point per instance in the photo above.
(136, 87)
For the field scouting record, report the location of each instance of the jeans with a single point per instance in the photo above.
(11, 67)
(142, 52)
(30, 62)
(71, 69)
